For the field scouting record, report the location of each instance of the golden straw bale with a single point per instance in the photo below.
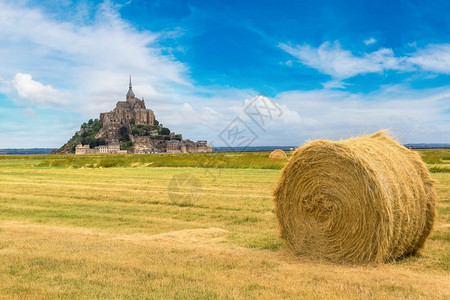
(278, 154)
(365, 199)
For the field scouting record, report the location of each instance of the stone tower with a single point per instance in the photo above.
(133, 109)
(130, 94)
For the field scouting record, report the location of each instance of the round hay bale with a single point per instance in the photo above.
(278, 154)
(365, 199)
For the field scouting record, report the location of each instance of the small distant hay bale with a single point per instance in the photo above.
(365, 199)
(278, 154)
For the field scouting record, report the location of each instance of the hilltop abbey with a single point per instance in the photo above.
(132, 128)
(125, 112)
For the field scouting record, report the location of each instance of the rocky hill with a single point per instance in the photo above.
(129, 128)
(91, 134)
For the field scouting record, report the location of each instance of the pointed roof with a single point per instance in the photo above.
(130, 90)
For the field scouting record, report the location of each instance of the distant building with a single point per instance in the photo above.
(133, 114)
(132, 110)
(82, 149)
(187, 146)
(113, 147)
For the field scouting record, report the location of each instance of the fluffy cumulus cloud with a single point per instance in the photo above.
(92, 59)
(77, 63)
(206, 116)
(36, 93)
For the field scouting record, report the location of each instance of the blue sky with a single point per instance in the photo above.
(335, 69)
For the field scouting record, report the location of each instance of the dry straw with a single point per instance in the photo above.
(278, 154)
(365, 199)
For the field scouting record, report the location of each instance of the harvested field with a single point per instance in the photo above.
(69, 232)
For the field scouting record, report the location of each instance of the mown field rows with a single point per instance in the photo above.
(77, 231)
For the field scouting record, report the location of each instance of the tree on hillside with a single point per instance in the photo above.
(124, 134)
(165, 131)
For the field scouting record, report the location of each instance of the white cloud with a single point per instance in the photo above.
(413, 116)
(435, 58)
(370, 41)
(86, 62)
(291, 117)
(194, 123)
(331, 59)
(206, 116)
(334, 84)
(35, 93)
(91, 58)
(270, 112)
(341, 64)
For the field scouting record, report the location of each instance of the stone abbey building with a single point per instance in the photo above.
(125, 112)
(130, 114)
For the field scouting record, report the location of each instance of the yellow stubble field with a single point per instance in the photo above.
(180, 232)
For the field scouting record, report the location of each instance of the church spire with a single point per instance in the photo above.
(130, 93)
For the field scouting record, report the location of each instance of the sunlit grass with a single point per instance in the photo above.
(242, 160)
(438, 161)
(70, 231)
